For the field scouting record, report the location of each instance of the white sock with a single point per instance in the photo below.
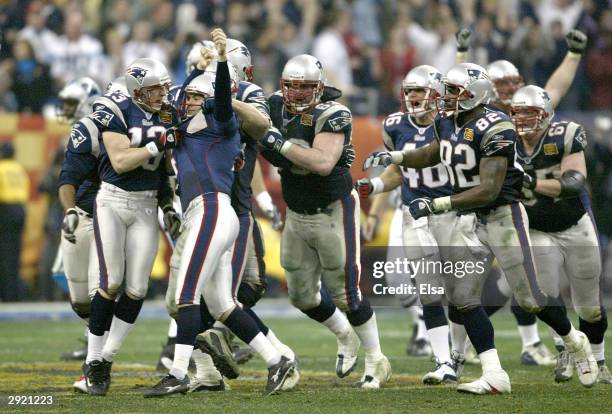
(337, 323)
(205, 368)
(280, 347)
(420, 324)
(438, 339)
(118, 332)
(571, 339)
(529, 334)
(219, 325)
(264, 348)
(368, 334)
(458, 337)
(95, 344)
(489, 360)
(598, 351)
(180, 364)
(172, 328)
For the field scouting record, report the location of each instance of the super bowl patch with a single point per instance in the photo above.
(165, 117)
(551, 149)
(306, 119)
(468, 134)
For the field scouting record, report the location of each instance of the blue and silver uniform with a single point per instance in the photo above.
(80, 168)
(490, 134)
(549, 214)
(401, 132)
(115, 112)
(241, 190)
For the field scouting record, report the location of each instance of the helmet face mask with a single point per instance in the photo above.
(467, 86)
(506, 87)
(153, 98)
(449, 103)
(196, 92)
(66, 110)
(528, 119)
(148, 83)
(302, 83)
(421, 88)
(76, 99)
(532, 110)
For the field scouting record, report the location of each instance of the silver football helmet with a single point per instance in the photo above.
(212, 69)
(76, 99)
(239, 56)
(148, 83)
(428, 79)
(506, 80)
(193, 57)
(302, 83)
(467, 85)
(532, 109)
(118, 85)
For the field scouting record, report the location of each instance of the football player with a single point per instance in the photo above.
(409, 130)
(205, 159)
(134, 183)
(561, 226)
(321, 234)
(477, 144)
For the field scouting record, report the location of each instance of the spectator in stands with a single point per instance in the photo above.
(599, 65)
(32, 85)
(488, 44)
(141, 45)
(14, 193)
(42, 39)
(567, 12)
(396, 59)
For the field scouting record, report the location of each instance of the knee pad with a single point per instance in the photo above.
(127, 309)
(361, 315)
(219, 307)
(81, 309)
(304, 303)
(249, 296)
(596, 330)
(591, 314)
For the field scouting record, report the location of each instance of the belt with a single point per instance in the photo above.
(313, 211)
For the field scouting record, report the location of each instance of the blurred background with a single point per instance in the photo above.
(365, 46)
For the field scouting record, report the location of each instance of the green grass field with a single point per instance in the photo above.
(29, 365)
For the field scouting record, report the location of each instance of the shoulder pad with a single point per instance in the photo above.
(334, 114)
(574, 139)
(84, 138)
(109, 106)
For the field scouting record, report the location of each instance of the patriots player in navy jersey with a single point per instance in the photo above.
(477, 144)
(421, 238)
(134, 182)
(321, 237)
(552, 155)
(205, 158)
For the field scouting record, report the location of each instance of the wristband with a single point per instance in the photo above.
(377, 185)
(397, 157)
(441, 204)
(574, 55)
(152, 148)
(285, 147)
(264, 201)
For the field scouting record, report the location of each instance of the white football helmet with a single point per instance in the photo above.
(239, 56)
(203, 85)
(212, 69)
(532, 109)
(76, 99)
(142, 77)
(302, 83)
(423, 77)
(118, 85)
(193, 57)
(506, 80)
(467, 85)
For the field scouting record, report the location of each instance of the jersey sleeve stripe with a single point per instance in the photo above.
(570, 132)
(495, 129)
(388, 141)
(92, 129)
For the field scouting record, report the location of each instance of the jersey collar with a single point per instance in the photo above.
(418, 127)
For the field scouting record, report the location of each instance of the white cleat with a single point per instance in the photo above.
(80, 385)
(348, 347)
(492, 382)
(538, 354)
(584, 361)
(604, 375)
(458, 364)
(443, 374)
(292, 379)
(377, 374)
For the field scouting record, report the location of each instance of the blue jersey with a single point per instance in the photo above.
(241, 190)
(545, 213)
(489, 134)
(401, 132)
(116, 112)
(205, 156)
(80, 168)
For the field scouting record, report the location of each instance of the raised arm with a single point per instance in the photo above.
(560, 81)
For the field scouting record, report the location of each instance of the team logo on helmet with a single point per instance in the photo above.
(435, 76)
(474, 74)
(77, 138)
(545, 95)
(137, 73)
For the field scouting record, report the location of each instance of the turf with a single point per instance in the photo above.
(29, 365)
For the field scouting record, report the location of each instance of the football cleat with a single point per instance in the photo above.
(292, 379)
(97, 377)
(165, 358)
(458, 364)
(377, 374)
(168, 385)
(584, 361)
(537, 354)
(277, 375)
(471, 357)
(604, 375)
(215, 343)
(80, 385)
(76, 355)
(443, 374)
(492, 382)
(565, 367)
(202, 385)
(346, 359)
(242, 354)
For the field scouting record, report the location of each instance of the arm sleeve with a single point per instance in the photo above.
(77, 168)
(223, 111)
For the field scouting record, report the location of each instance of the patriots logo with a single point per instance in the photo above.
(138, 73)
(102, 117)
(545, 95)
(473, 74)
(435, 76)
(77, 138)
(340, 122)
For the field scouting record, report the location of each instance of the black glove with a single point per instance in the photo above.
(421, 207)
(347, 157)
(272, 142)
(172, 222)
(274, 215)
(239, 161)
(530, 180)
(69, 225)
(364, 187)
(576, 41)
(463, 37)
(166, 139)
(376, 159)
